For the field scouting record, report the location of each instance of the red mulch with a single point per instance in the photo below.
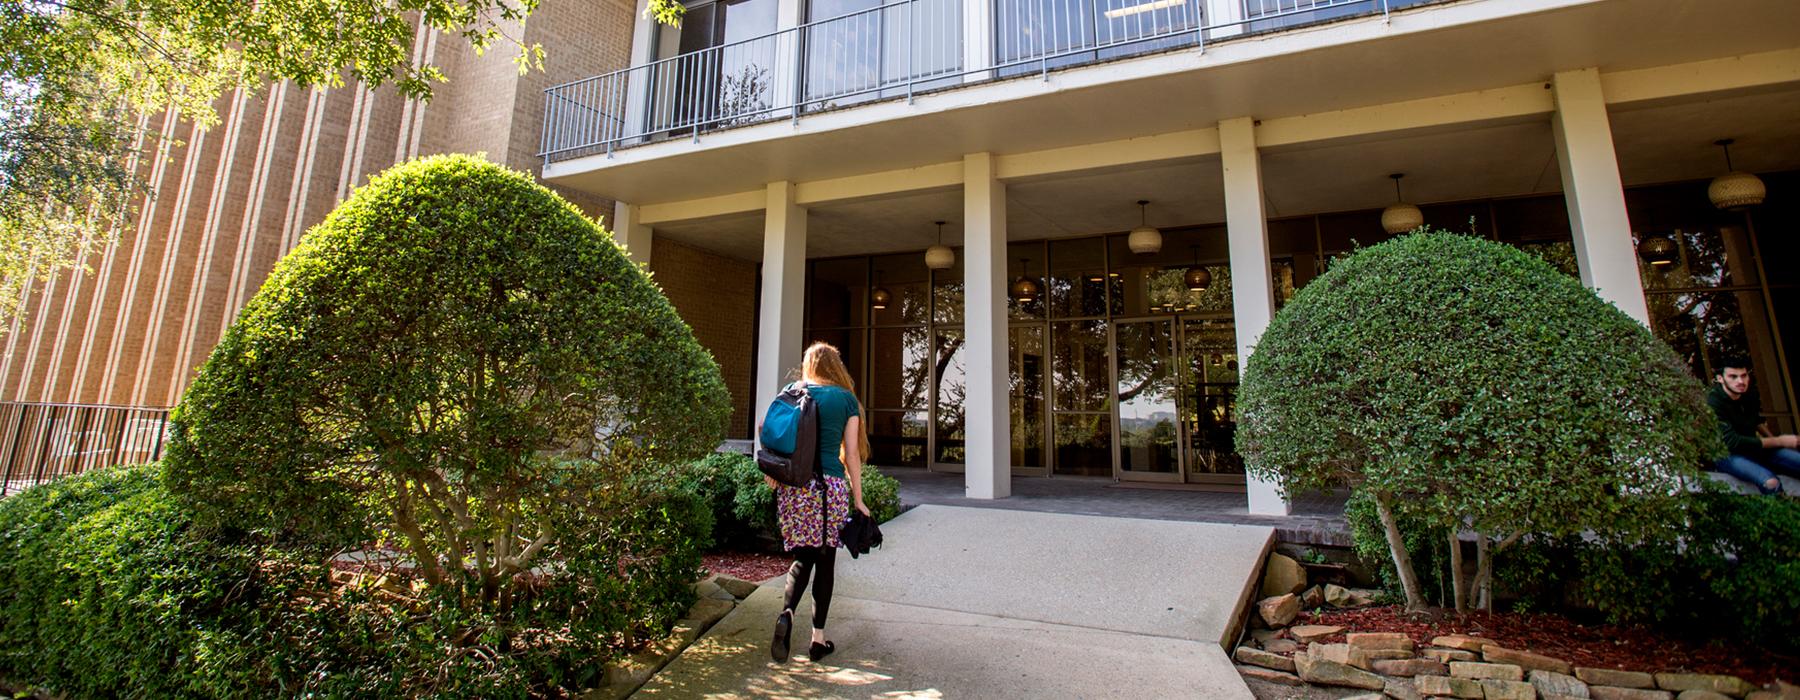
(1597, 646)
(748, 566)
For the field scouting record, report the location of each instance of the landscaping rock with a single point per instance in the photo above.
(1526, 660)
(1701, 695)
(1279, 610)
(1307, 634)
(1724, 685)
(1386, 654)
(1457, 641)
(1281, 646)
(1475, 670)
(1364, 696)
(1607, 692)
(1282, 575)
(1410, 667)
(1783, 691)
(1312, 598)
(1270, 676)
(1401, 689)
(1263, 637)
(1340, 653)
(1494, 689)
(1341, 597)
(1258, 657)
(1449, 655)
(623, 677)
(706, 611)
(1445, 686)
(1380, 641)
(735, 586)
(1324, 672)
(1552, 683)
(1614, 678)
(707, 588)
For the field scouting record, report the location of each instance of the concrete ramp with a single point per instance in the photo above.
(982, 603)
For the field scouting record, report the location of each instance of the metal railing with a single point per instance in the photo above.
(897, 49)
(44, 441)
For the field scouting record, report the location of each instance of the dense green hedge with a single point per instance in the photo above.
(110, 590)
(743, 505)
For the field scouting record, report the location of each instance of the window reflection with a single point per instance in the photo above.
(1025, 370)
(952, 393)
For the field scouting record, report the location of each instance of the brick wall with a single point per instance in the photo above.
(716, 295)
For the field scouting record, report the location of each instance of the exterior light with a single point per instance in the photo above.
(1198, 278)
(1735, 191)
(1400, 217)
(1025, 290)
(1659, 250)
(940, 256)
(1144, 239)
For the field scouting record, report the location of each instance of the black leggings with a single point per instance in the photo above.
(805, 560)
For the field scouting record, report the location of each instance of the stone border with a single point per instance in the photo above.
(717, 595)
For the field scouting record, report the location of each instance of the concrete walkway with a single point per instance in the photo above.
(983, 603)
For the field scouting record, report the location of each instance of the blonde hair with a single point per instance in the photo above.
(822, 362)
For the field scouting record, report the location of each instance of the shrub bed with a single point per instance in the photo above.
(743, 505)
(112, 590)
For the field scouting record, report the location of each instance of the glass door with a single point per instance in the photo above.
(1208, 394)
(1146, 392)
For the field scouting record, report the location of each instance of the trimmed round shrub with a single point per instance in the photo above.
(1469, 384)
(458, 362)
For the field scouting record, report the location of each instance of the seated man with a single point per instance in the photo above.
(1754, 457)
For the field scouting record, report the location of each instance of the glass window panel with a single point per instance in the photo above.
(1532, 219)
(951, 395)
(899, 368)
(1025, 260)
(897, 438)
(947, 293)
(1209, 405)
(1706, 258)
(1345, 231)
(837, 293)
(1081, 381)
(1025, 368)
(1155, 283)
(1461, 217)
(1078, 278)
(1146, 395)
(843, 51)
(1560, 255)
(1083, 443)
(904, 278)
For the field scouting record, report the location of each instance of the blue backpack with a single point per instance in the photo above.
(790, 438)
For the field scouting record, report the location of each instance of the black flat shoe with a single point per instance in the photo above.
(784, 624)
(820, 651)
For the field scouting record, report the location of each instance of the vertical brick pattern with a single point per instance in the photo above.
(134, 327)
(716, 295)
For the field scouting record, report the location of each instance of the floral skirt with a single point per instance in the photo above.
(798, 509)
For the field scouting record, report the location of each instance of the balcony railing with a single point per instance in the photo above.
(43, 441)
(899, 49)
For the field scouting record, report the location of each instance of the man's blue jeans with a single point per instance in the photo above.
(1760, 469)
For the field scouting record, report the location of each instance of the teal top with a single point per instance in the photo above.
(836, 406)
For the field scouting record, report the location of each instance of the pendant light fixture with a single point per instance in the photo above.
(940, 256)
(1400, 217)
(1659, 250)
(1144, 239)
(880, 297)
(1198, 278)
(1025, 289)
(1735, 191)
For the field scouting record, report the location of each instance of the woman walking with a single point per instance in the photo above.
(812, 515)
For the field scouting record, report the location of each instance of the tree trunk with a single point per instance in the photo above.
(1484, 574)
(1458, 593)
(1409, 581)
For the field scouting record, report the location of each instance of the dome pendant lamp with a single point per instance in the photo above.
(1400, 217)
(880, 297)
(940, 256)
(1144, 239)
(1735, 191)
(1198, 278)
(1025, 289)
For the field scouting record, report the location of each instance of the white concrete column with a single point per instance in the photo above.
(778, 333)
(635, 237)
(1252, 294)
(1594, 194)
(1221, 12)
(977, 40)
(987, 473)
